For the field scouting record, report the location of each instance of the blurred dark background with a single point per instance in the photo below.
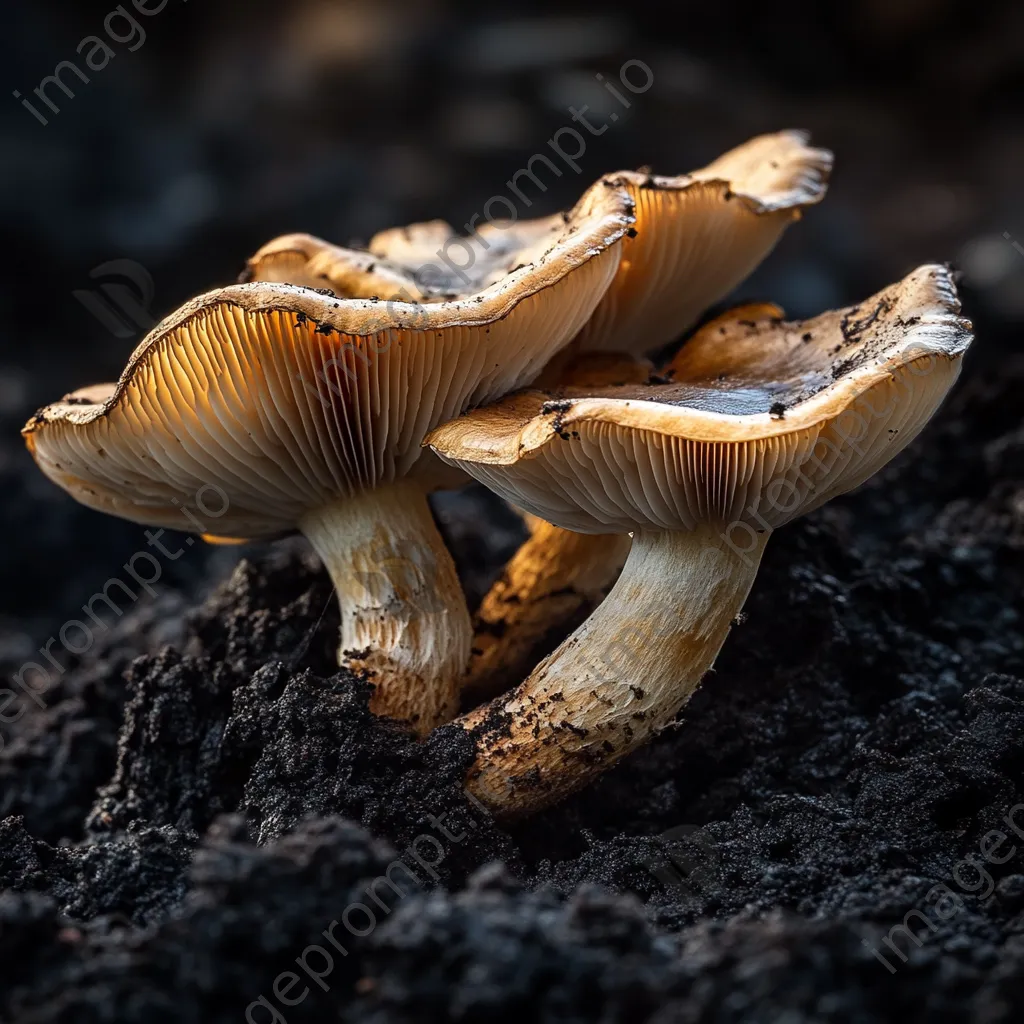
(233, 122)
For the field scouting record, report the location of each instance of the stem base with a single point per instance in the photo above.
(404, 621)
(623, 675)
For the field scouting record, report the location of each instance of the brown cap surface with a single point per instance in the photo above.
(428, 262)
(311, 262)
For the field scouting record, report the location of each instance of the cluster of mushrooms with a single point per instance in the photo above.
(334, 389)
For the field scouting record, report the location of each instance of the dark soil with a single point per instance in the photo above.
(199, 796)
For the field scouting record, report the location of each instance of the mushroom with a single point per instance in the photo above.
(765, 421)
(313, 263)
(264, 407)
(696, 237)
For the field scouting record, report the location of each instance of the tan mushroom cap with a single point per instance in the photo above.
(350, 273)
(427, 262)
(762, 421)
(493, 250)
(286, 398)
(698, 235)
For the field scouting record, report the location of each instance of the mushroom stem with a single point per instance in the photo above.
(621, 676)
(551, 582)
(404, 620)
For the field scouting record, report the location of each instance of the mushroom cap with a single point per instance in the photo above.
(427, 262)
(761, 420)
(697, 236)
(285, 398)
(311, 262)
(496, 248)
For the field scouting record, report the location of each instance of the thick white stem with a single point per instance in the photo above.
(624, 674)
(404, 620)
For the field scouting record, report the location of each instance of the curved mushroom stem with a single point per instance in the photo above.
(555, 577)
(403, 614)
(621, 676)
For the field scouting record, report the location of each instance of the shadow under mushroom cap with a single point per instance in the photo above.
(761, 421)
